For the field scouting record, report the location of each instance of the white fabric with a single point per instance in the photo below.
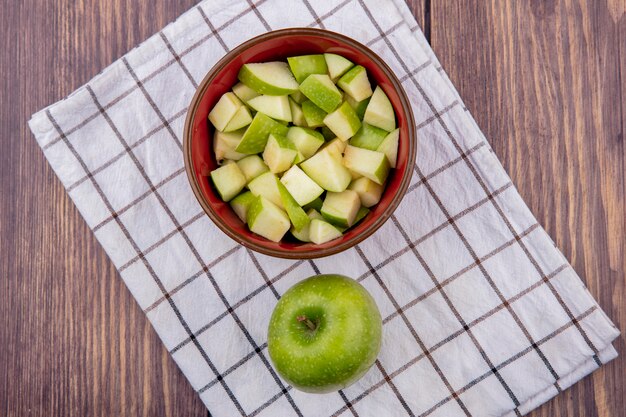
(482, 314)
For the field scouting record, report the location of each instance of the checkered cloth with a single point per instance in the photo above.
(482, 314)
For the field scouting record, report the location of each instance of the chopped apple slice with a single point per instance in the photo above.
(360, 215)
(369, 192)
(336, 147)
(252, 166)
(337, 65)
(303, 189)
(356, 84)
(313, 115)
(244, 92)
(368, 137)
(241, 204)
(371, 164)
(224, 110)
(307, 141)
(298, 217)
(303, 234)
(305, 65)
(327, 171)
(265, 185)
(343, 122)
(255, 137)
(380, 112)
(298, 97)
(279, 153)
(320, 89)
(276, 107)
(297, 115)
(340, 208)
(272, 78)
(242, 118)
(268, 220)
(224, 145)
(358, 106)
(389, 147)
(228, 180)
(322, 232)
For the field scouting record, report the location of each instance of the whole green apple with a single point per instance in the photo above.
(325, 333)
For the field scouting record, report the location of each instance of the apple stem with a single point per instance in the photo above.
(307, 322)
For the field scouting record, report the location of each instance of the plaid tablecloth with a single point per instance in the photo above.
(482, 314)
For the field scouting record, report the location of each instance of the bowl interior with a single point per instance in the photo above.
(221, 80)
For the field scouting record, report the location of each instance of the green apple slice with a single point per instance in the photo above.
(313, 115)
(307, 141)
(368, 137)
(244, 92)
(360, 215)
(356, 84)
(276, 107)
(320, 89)
(279, 153)
(297, 116)
(315, 205)
(305, 65)
(371, 164)
(327, 133)
(303, 234)
(241, 204)
(228, 180)
(224, 145)
(272, 78)
(358, 106)
(224, 110)
(343, 122)
(298, 97)
(337, 65)
(380, 112)
(252, 166)
(322, 232)
(340, 209)
(242, 118)
(255, 137)
(369, 192)
(389, 147)
(298, 217)
(303, 189)
(336, 147)
(265, 185)
(268, 220)
(327, 171)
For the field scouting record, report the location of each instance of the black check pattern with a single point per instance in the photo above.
(460, 229)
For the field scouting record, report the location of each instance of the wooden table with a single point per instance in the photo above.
(546, 80)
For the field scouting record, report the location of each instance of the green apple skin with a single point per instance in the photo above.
(345, 339)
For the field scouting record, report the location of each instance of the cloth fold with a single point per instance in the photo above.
(482, 314)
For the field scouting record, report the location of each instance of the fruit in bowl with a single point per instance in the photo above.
(243, 155)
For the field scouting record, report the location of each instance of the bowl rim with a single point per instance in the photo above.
(313, 253)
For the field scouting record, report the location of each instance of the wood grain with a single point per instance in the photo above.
(542, 78)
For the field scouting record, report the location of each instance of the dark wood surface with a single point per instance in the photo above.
(541, 77)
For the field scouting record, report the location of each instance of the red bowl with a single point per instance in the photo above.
(273, 46)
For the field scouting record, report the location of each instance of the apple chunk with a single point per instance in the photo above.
(343, 122)
(265, 185)
(356, 84)
(255, 137)
(241, 118)
(224, 145)
(298, 217)
(228, 180)
(305, 65)
(244, 92)
(368, 137)
(389, 147)
(327, 171)
(322, 232)
(272, 78)
(279, 153)
(337, 65)
(340, 208)
(303, 189)
(224, 110)
(241, 204)
(320, 90)
(252, 166)
(303, 234)
(268, 220)
(307, 141)
(369, 192)
(313, 115)
(380, 112)
(276, 107)
(371, 164)
(297, 116)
